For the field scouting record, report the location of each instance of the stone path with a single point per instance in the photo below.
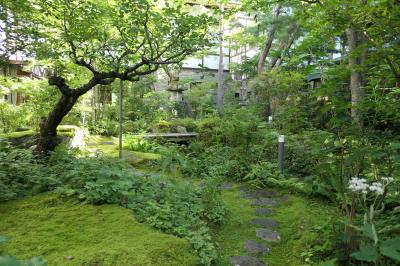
(263, 200)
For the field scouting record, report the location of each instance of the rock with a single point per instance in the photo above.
(138, 173)
(91, 144)
(246, 261)
(106, 143)
(33, 147)
(264, 201)
(249, 196)
(255, 247)
(244, 188)
(181, 129)
(226, 186)
(285, 198)
(268, 235)
(69, 257)
(264, 211)
(266, 193)
(268, 223)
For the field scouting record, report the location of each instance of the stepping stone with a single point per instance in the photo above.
(255, 247)
(264, 201)
(138, 173)
(106, 143)
(266, 193)
(244, 188)
(246, 261)
(226, 186)
(285, 198)
(268, 235)
(264, 211)
(268, 223)
(249, 196)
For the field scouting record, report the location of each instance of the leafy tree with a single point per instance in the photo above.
(15, 27)
(93, 43)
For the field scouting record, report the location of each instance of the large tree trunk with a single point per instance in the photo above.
(220, 89)
(356, 59)
(268, 43)
(48, 127)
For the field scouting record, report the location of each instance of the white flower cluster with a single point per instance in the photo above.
(360, 185)
(387, 179)
(377, 188)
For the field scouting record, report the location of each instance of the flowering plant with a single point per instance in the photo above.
(371, 197)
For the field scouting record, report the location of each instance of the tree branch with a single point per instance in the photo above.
(61, 84)
(393, 66)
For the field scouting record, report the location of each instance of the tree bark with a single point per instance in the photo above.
(220, 89)
(48, 126)
(356, 59)
(268, 43)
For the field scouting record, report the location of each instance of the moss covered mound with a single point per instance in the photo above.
(70, 233)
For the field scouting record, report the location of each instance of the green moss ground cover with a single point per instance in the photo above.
(299, 220)
(133, 157)
(63, 130)
(94, 235)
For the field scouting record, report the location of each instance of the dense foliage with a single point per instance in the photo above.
(178, 209)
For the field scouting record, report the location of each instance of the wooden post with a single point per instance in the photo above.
(121, 94)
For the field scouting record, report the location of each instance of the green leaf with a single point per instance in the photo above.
(369, 231)
(391, 248)
(367, 252)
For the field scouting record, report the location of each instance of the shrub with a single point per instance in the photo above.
(185, 211)
(20, 174)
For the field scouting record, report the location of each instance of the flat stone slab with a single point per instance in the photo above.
(226, 186)
(268, 235)
(91, 144)
(249, 196)
(106, 143)
(265, 222)
(264, 211)
(285, 198)
(266, 193)
(243, 188)
(246, 261)
(256, 248)
(264, 201)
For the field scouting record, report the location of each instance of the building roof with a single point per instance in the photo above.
(313, 76)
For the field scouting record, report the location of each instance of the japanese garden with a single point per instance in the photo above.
(204, 132)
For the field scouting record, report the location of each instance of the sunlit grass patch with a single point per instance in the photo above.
(59, 229)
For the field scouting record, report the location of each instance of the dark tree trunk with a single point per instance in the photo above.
(48, 126)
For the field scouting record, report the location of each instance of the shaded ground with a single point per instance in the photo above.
(69, 233)
(299, 219)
